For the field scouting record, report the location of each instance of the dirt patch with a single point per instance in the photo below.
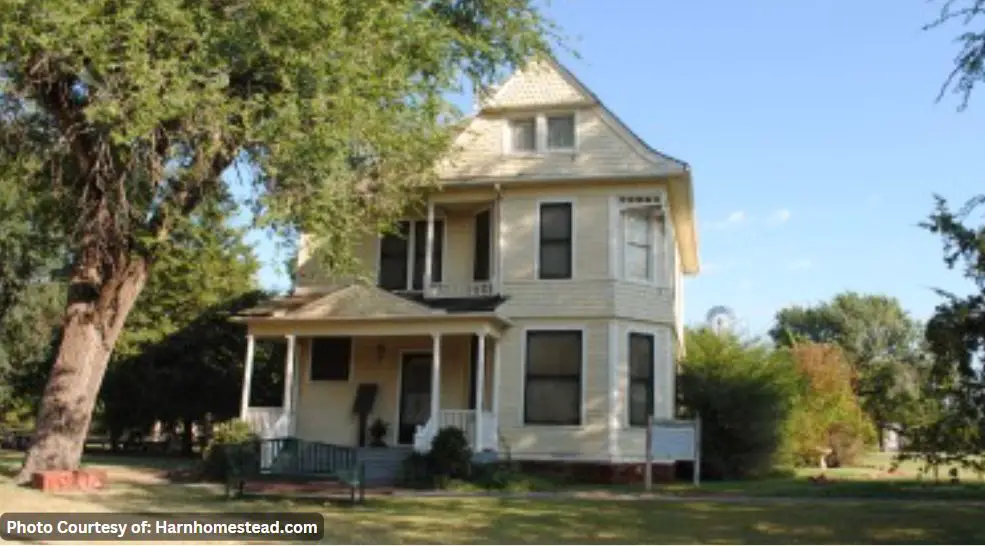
(131, 475)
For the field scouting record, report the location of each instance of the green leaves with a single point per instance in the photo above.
(953, 419)
(969, 63)
(880, 340)
(286, 86)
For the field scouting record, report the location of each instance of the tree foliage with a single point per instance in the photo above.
(27, 338)
(129, 111)
(744, 393)
(953, 425)
(969, 63)
(179, 358)
(826, 414)
(879, 339)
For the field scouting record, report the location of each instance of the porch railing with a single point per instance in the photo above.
(294, 456)
(464, 420)
(474, 289)
(267, 422)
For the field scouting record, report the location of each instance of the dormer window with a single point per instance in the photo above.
(541, 133)
(523, 135)
(561, 132)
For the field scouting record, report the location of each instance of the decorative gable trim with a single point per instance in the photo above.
(613, 122)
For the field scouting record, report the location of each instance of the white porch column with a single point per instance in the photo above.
(497, 244)
(436, 377)
(480, 389)
(429, 249)
(497, 376)
(288, 406)
(244, 405)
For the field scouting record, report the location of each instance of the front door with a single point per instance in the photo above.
(415, 395)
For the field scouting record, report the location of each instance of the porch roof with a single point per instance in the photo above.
(361, 309)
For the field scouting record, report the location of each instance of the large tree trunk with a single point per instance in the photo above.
(94, 317)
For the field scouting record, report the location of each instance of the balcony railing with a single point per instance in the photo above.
(474, 289)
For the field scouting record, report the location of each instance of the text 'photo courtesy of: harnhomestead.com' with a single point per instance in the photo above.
(84, 527)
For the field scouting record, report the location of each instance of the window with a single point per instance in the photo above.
(523, 135)
(552, 387)
(554, 260)
(401, 269)
(394, 258)
(561, 132)
(640, 378)
(638, 248)
(330, 358)
(482, 247)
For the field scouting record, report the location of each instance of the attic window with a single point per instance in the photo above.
(523, 135)
(561, 132)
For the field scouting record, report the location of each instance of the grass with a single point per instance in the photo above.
(582, 520)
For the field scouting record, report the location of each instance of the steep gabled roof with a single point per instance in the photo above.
(569, 90)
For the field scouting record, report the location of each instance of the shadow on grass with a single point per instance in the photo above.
(10, 461)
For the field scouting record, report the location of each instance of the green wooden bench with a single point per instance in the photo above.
(293, 460)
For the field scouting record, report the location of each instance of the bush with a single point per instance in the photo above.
(214, 464)
(744, 393)
(451, 456)
(827, 414)
(450, 459)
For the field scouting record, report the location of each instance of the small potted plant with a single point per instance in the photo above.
(377, 433)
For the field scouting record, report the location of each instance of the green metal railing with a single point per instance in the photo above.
(292, 458)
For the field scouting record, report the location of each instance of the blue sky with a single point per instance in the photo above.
(813, 132)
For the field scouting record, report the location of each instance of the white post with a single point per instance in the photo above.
(436, 378)
(648, 469)
(497, 376)
(480, 388)
(288, 406)
(429, 249)
(497, 244)
(247, 377)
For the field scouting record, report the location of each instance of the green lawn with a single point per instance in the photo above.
(583, 520)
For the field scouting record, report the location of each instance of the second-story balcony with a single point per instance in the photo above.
(473, 289)
(450, 252)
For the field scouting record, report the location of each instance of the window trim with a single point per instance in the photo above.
(655, 265)
(540, 133)
(652, 336)
(409, 284)
(549, 327)
(508, 148)
(352, 362)
(570, 201)
(574, 130)
(651, 258)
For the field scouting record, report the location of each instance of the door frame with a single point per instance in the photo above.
(402, 356)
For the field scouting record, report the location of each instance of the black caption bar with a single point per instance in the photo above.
(34, 526)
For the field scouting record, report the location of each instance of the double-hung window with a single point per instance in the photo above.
(555, 241)
(553, 376)
(641, 378)
(642, 248)
(539, 133)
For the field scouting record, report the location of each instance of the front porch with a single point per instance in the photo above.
(418, 372)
